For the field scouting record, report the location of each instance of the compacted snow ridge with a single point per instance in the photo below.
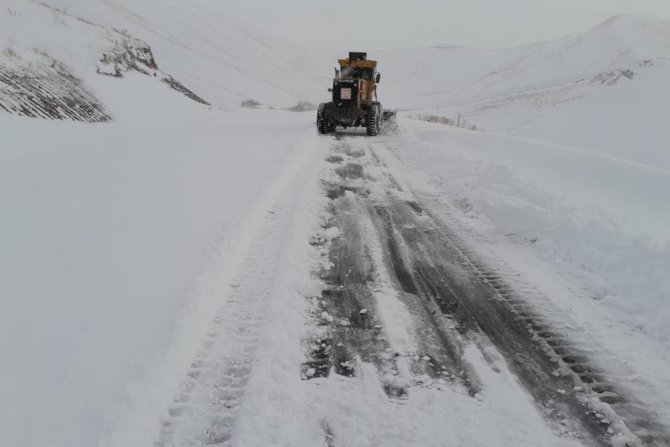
(186, 262)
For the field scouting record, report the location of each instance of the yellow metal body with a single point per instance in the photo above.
(344, 63)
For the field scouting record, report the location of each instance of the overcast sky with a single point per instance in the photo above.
(379, 24)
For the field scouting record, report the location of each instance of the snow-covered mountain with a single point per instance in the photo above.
(604, 86)
(188, 46)
(604, 89)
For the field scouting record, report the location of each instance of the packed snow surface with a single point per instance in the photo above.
(105, 236)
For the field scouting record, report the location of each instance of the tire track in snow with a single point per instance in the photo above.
(205, 409)
(550, 362)
(403, 349)
(449, 290)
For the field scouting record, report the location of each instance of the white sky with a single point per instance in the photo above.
(379, 24)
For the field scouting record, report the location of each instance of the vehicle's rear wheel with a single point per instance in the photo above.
(373, 121)
(321, 121)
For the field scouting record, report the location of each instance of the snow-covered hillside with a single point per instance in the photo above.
(143, 205)
(604, 90)
(600, 90)
(221, 61)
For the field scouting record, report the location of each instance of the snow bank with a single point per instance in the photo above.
(601, 221)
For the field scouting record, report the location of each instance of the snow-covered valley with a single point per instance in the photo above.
(170, 218)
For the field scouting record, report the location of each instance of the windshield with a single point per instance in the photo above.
(358, 73)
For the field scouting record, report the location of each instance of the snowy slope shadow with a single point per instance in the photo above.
(48, 91)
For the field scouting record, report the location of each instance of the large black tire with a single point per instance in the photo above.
(374, 121)
(321, 121)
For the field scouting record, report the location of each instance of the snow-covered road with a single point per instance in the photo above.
(364, 315)
(184, 261)
(237, 279)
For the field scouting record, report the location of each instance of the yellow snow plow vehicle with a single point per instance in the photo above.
(355, 100)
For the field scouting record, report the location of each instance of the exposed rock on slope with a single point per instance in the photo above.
(130, 54)
(48, 90)
(42, 80)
